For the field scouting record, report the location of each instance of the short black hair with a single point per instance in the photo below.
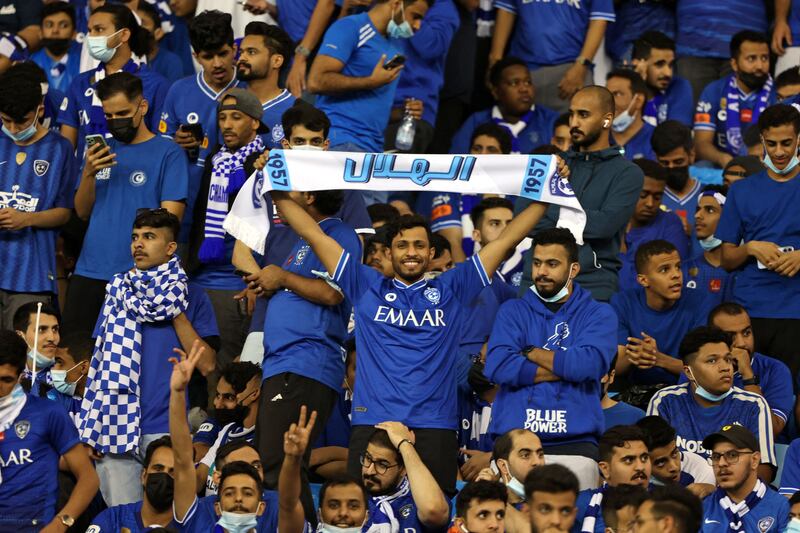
(699, 337)
(649, 250)
(725, 308)
(679, 503)
(671, 135)
(746, 36)
(158, 218)
(229, 447)
(161, 442)
(120, 82)
(492, 202)
(141, 41)
(496, 72)
(440, 245)
(603, 95)
(210, 30)
(651, 169)
(340, 481)
(482, 491)
(795, 498)
(546, 149)
(306, 115)
(239, 373)
(562, 120)
(151, 11)
(30, 70)
(638, 86)
(495, 131)
(788, 77)
(275, 38)
(405, 222)
(13, 350)
(328, 203)
(715, 187)
(657, 432)
(25, 314)
(78, 344)
(751, 136)
(382, 213)
(616, 437)
(551, 479)
(649, 40)
(240, 467)
(380, 438)
(59, 7)
(560, 236)
(505, 443)
(619, 497)
(20, 93)
(779, 115)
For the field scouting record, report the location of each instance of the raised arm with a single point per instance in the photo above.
(496, 251)
(326, 76)
(291, 518)
(185, 486)
(327, 249)
(432, 508)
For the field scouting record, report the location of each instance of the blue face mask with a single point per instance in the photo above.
(623, 121)
(770, 165)
(707, 395)
(60, 382)
(42, 361)
(557, 296)
(238, 522)
(794, 526)
(99, 49)
(402, 30)
(710, 242)
(516, 486)
(27, 133)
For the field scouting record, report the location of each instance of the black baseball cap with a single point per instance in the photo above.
(247, 103)
(739, 436)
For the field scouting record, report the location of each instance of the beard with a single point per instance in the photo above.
(589, 138)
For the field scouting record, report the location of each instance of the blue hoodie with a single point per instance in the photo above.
(582, 334)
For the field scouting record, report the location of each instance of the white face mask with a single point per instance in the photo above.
(783, 171)
(557, 296)
(306, 147)
(624, 120)
(706, 394)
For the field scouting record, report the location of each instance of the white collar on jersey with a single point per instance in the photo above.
(400, 284)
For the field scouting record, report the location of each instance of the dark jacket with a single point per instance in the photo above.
(608, 188)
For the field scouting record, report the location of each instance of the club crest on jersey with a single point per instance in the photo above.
(765, 524)
(22, 428)
(390, 297)
(277, 132)
(138, 178)
(405, 511)
(40, 167)
(301, 254)
(433, 295)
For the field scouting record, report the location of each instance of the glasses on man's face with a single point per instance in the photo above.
(381, 467)
(731, 456)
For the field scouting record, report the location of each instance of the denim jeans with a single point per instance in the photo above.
(120, 474)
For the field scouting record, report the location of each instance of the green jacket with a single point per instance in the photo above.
(608, 187)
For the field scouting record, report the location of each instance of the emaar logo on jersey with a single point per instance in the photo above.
(16, 458)
(408, 317)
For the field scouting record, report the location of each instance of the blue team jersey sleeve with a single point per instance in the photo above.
(779, 394)
(730, 228)
(505, 363)
(63, 433)
(65, 197)
(68, 113)
(156, 100)
(467, 279)
(341, 40)
(790, 478)
(201, 313)
(507, 5)
(706, 109)
(175, 177)
(354, 278)
(602, 10)
(207, 432)
(168, 122)
(680, 102)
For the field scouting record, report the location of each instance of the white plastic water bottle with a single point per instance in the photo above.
(404, 139)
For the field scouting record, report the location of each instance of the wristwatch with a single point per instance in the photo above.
(752, 381)
(67, 520)
(583, 61)
(302, 50)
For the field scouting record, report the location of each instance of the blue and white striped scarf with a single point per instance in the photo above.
(593, 511)
(227, 177)
(110, 410)
(736, 511)
(381, 515)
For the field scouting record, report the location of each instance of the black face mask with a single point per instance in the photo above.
(223, 417)
(677, 177)
(57, 47)
(122, 129)
(754, 82)
(159, 489)
(477, 380)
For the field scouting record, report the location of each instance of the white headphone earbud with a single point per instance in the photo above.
(606, 123)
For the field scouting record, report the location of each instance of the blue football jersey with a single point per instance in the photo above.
(696, 37)
(29, 452)
(126, 517)
(714, 283)
(770, 515)
(33, 179)
(202, 517)
(273, 111)
(407, 339)
(692, 422)
(790, 478)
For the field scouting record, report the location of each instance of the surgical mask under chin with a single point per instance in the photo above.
(308, 147)
(60, 382)
(707, 395)
(16, 393)
(328, 528)
(516, 486)
(402, 30)
(710, 243)
(237, 522)
(99, 49)
(42, 361)
(564, 292)
(27, 133)
(770, 165)
(623, 121)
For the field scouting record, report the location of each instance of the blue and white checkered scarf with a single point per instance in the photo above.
(110, 409)
(227, 177)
